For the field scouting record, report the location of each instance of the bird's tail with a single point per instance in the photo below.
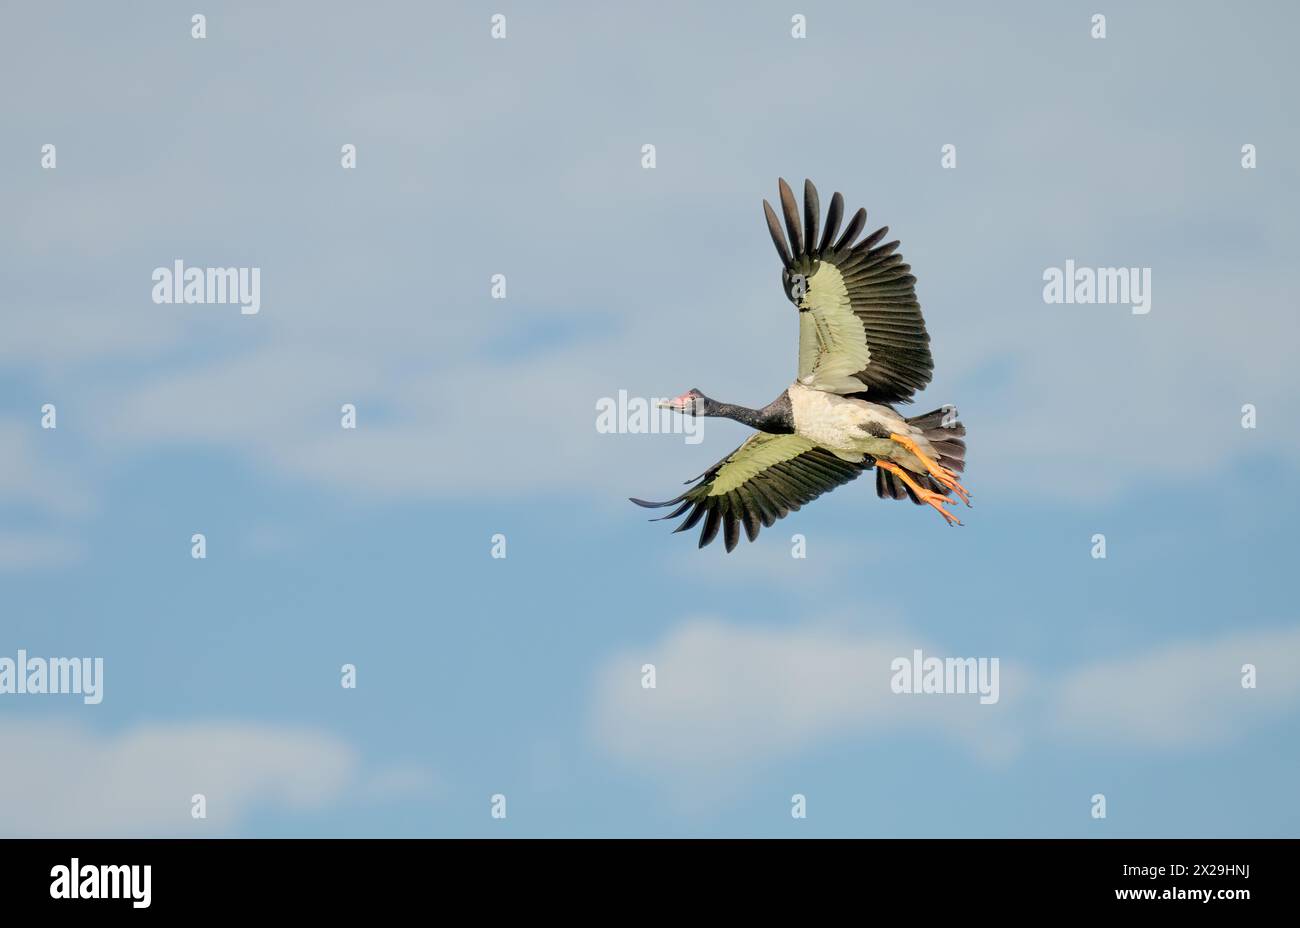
(945, 433)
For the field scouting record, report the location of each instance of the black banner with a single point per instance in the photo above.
(214, 876)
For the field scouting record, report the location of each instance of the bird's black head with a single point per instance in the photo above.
(690, 403)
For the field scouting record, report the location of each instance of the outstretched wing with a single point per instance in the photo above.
(763, 480)
(860, 326)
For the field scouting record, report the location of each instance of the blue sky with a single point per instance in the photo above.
(521, 676)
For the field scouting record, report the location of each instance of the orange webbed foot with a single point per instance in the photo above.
(937, 470)
(935, 500)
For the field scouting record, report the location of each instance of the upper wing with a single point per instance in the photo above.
(860, 326)
(763, 480)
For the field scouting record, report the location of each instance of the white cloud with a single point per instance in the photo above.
(508, 428)
(36, 482)
(729, 696)
(59, 778)
(37, 550)
(32, 476)
(41, 333)
(1185, 694)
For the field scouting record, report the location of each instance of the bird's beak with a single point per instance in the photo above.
(679, 403)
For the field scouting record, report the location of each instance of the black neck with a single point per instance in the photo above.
(774, 418)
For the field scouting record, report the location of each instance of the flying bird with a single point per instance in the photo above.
(863, 348)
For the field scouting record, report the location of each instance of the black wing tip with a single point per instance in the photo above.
(812, 210)
(790, 209)
(801, 239)
(778, 235)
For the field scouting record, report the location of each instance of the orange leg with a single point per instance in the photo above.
(937, 500)
(938, 471)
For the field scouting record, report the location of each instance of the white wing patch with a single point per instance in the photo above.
(832, 340)
(756, 455)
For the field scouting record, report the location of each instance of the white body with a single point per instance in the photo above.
(844, 425)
